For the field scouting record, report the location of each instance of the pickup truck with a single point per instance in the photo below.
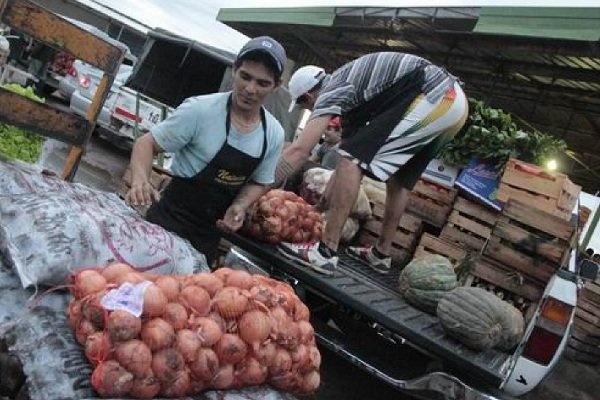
(359, 315)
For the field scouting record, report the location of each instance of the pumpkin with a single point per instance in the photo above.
(425, 280)
(479, 319)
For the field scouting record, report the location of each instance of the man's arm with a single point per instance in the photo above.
(144, 150)
(296, 154)
(234, 216)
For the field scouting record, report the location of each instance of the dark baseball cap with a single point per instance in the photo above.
(268, 45)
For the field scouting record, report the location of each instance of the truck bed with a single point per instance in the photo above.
(375, 296)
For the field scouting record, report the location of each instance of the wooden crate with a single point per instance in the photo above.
(530, 241)
(469, 224)
(430, 244)
(520, 291)
(431, 202)
(406, 237)
(551, 192)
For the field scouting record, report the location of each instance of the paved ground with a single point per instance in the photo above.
(102, 167)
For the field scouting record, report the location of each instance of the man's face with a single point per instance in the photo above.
(252, 83)
(333, 135)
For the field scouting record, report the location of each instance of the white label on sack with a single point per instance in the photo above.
(126, 297)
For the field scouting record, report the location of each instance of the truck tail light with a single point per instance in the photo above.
(549, 331)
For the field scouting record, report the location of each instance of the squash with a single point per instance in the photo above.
(425, 280)
(479, 319)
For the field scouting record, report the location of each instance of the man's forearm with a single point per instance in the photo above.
(141, 160)
(249, 194)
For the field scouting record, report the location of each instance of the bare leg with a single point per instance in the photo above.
(396, 201)
(323, 205)
(343, 194)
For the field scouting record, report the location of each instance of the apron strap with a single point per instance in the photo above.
(263, 121)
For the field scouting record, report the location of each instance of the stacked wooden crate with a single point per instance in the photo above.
(431, 202)
(429, 244)
(530, 184)
(469, 224)
(584, 343)
(532, 242)
(406, 237)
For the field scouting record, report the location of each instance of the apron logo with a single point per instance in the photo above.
(225, 177)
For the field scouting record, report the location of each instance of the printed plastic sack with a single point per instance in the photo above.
(44, 236)
(20, 178)
(173, 336)
(314, 185)
(56, 368)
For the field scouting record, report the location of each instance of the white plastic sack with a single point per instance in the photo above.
(314, 185)
(45, 236)
(349, 230)
(56, 367)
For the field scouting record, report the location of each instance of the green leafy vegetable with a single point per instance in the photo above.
(491, 134)
(16, 143)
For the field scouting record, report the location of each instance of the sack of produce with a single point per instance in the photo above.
(43, 236)
(173, 336)
(281, 216)
(55, 366)
(314, 186)
(349, 230)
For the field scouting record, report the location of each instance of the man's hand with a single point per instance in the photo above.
(142, 194)
(233, 219)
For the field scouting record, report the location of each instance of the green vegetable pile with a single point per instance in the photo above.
(491, 134)
(16, 143)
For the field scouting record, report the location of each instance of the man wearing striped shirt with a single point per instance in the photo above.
(397, 111)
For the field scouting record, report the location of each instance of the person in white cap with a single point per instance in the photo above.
(397, 111)
(226, 147)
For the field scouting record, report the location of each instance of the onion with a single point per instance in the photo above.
(224, 377)
(230, 302)
(306, 332)
(115, 270)
(74, 313)
(207, 330)
(255, 230)
(300, 358)
(145, 387)
(84, 329)
(178, 387)
(314, 357)
(265, 354)
(230, 349)
(272, 225)
(154, 301)
(288, 381)
(188, 344)
(170, 286)
(293, 208)
(301, 312)
(122, 326)
(134, 356)
(222, 273)
(131, 277)
(176, 315)
(252, 372)
(263, 294)
(206, 365)
(93, 310)
(196, 300)
(197, 387)
(166, 364)
(282, 362)
(282, 212)
(157, 334)
(240, 279)
(254, 327)
(111, 380)
(97, 347)
(209, 282)
(310, 382)
(215, 316)
(88, 282)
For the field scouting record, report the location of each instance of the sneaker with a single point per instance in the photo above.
(308, 254)
(365, 255)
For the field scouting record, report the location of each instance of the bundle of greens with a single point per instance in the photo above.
(16, 143)
(491, 134)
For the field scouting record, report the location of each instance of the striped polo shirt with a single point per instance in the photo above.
(360, 80)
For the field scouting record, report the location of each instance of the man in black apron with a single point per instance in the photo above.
(397, 111)
(225, 147)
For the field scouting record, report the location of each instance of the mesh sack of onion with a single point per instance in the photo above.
(281, 216)
(173, 336)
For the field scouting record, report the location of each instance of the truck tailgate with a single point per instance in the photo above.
(375, 297)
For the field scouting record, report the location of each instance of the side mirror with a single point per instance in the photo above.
(588, 269)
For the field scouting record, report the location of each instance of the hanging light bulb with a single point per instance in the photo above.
(552, 165)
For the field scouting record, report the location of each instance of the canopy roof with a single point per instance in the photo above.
(540, 64)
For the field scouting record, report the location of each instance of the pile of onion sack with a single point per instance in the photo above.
(174, 336)
(281, 216)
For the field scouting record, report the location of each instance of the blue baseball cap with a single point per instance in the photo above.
(269, 46)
